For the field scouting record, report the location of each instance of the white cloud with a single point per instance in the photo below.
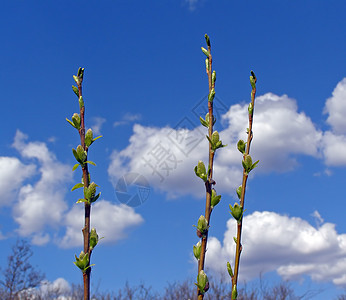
(97, 124)
(12, 174)
(280, 132)
(334, 141)
(336, 108)
(111, 221)
(41, 204)
(59, 286)
(167, 156)
(128, 118)
(288, 245)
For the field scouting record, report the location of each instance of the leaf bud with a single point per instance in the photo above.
(202, 282)
(81, 102)
(236, 211)
(94, 238)
(82, 155)
(211, 95)
(213, 77)
(239, 190)
(89, 138)
(253, 80)
(207, 65)
(202, 225)
(215, 199)
(241, 146)
(201, 171)
(205, 51)
(76, 120)
(234, 292)
(197, 250)
(229, 269)
(90, 191)
(75, 90)
(207, 39)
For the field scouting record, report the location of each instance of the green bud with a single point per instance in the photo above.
(215, 199)
(234, 292)
(205, 51)
(82, 155)
(75, 90)
(202, 225)
(94, 238)
(207, 39)
(207, 119)
(248, 165)
(201, 171)
(81, 102)
(211, 95)
(76, 79)
(229, 269)
(241, 146)
(239, 190)
(215, 137)
(89, 138)
(197, 250)
(82, 262)
(90, 191)
(207, 65)
(236, 211)
(76, 120)
(253, 80)
(202, 282)
(250, 108)
(203, 122)
(213, 77)
(80, 73)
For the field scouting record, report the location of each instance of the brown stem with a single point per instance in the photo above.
(87, 207)
(208, 184)
(242, 198)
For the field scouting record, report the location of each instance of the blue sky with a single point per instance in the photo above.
(144, 81)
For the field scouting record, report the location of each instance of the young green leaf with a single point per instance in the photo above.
(78, 185)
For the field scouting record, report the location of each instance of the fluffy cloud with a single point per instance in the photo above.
(111, 221)
(336, 108)
(41, 204)
(167, 156)
(12, 174)
(334, 141)
(288, 245)
(58, 286)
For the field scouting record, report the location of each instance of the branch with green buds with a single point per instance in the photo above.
(212, 199)
(237, 210)
(90, 238)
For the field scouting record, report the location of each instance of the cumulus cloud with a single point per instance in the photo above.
(59, 286)
(111, 221)
(336, 107)
(288, 245)
(40, 204)
(167, 156)
(334, 141)
(12, 174)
